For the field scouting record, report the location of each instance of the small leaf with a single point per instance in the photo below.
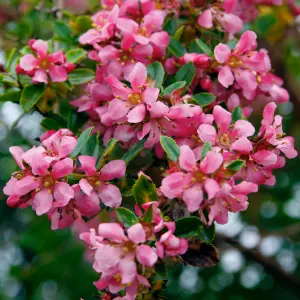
(207, 235)
(25, 50)
(205, 148)
(82, 140)
(8, 79)
(81, 76)
(133, 152)
(173, 87)
(235, 165)
(179, 32)
(204, 99)
(186, 73)
(176, 48)
(50, 124)
(170, 26)
(13, 95)
(31, 95)
(188, 227)
(203, 47)
(237, 114)
(126, 216)
(156, 72)
(92, 147)
(107, 151)
(75, 55)
(149, 215)
(12, 61)
(170, 147)
(62, 31)
(144, 190)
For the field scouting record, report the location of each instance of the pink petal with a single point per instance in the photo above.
(146, 255)
(207, 133)
(246, 79)
(127, 25)
(225, 77)
(57, 57)
(62, 194)
(150, 95)
(173, 185)
(62, 168)
(243, 128)
(112, 231)
(117, 109)
(136, 233)
(88, 205)
(17, 153)
(119, 90)
(110, 195)
(41, 47)
(222, 53)
(193, 197)
(157, 109)
(242, 145)
(212, 187)
(88, 164)
(85, 186)
(245, 188)
(114, 169)
(138, 76)
(127, 268)
(160, 39)
(211, 162)
(108, 53)
(206, 19)
(265, 157)
(231, 23)
(246, 43)
(40, 75)
(106, 258)
(222, 118)
(26, 185)
(187, 159)
(268, 113)
(42, 202)
(58, 73)
(124, 133)
(28, 62)
(137, 114)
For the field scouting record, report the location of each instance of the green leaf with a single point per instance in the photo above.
(173, 87)
(92, 147)
(186, 73)
(13, 95)
(107, 151)
(235, 165)
(133, 152)
(82, 140)
(75, 55)
(205, 148)
(232, 43)
(144, 190)
(207, 234)
(204, 99)
(149, 215)
(170, 147)
(264, 23)
(62, 31)
(156, 72)
(176, 48)
(31, 94)
(203, 48)
(126, 216)
(179, 32)
(12, 61)
(84, 23)
(50, 124)
(8, 79)
(170, 26)
(188, 227)
(80, 76)
(161, 270)
(237, 114)
(25, 50)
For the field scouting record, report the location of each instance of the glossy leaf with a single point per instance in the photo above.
(170, 147)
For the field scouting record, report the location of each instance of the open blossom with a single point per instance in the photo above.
(242, 65)
(95, 186)
(41, 64)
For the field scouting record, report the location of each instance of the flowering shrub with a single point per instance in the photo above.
(155, 142)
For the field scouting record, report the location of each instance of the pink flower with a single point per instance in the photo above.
(242, 64)
(95, 186)
(42, 64)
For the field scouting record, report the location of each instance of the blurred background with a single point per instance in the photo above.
(259, 249)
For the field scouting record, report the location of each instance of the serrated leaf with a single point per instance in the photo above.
(176, 48)
(75, 55)
(126, 216)
(107, 151)
(170, 147)
(235, 165)
(81, 76)
(133, 152)
(144, 190)
(173, 87)
(82, 140)
(237, 114)
(186, 73)
(205, 148)
(31, 95)
(204, 99)
(188, 227)
(157, 73)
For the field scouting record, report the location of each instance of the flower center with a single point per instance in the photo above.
(134, 98)
(44, 63)
(94, 181)
(143, 31)
(48, 181)
(235, 62)
(225, 140)
(198, 176)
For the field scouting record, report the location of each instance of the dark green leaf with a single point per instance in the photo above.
(157, 73)
(237, 114)
(203, 48)
(207, 234)
(80, 76)
(176, 48)
(31, 94)
(186, 73)
(13, 95)
(126, 216)
(235, 165)
(50, 124)
(173, 87)
(161, 269)
(170, 147)
(82, 140)
(144, 190)
(92, 147)
(149, 215)
(204, 99)
(62, 31)
(188, 227)
(170, 26)
(205, 148)
(107, 151)
(133, 152)
(75, 55)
